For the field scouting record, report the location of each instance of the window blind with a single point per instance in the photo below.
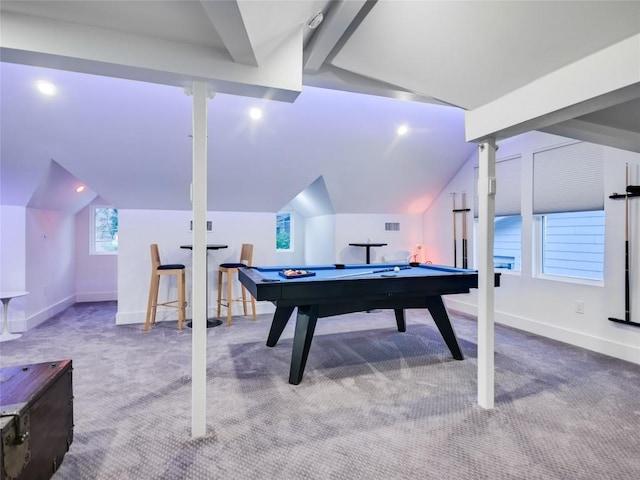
(568, 178)
(507, 187)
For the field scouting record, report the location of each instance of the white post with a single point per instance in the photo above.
(486, 287)
(199, 263)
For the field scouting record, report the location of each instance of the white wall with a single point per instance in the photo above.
(357, 228)
(325, 238)
(313, 239)
(541, 305)
(170, 229)
(50, 264)
(320, 233)
(12, 262)
(12, 248)
(96, 276)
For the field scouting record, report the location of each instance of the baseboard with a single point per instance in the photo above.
(44, 314)
(96, 297)
(628, 353)
(170, 315)
(129, 318)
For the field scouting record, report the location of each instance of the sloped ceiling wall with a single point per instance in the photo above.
(129, 141)
(313, 201)
(58, 190)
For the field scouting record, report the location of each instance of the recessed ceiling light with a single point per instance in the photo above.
(80, 189)
(46, 88)
(255, 113)
(402, 129)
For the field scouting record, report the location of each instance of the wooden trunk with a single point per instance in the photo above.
(36, 419)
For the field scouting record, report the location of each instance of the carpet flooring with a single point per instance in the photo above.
(373, 404)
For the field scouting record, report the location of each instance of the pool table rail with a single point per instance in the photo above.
(365, 288)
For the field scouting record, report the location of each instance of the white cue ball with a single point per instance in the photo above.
(396, 269)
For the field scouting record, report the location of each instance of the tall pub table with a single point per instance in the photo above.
(6, 297)
(211, 322)
(368, 246)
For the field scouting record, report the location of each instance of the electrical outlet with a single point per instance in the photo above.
(579, 306)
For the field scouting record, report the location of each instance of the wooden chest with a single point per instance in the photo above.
(36, 419)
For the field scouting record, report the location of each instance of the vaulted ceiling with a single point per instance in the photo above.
(332, 97)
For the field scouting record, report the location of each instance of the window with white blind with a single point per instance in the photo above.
(507, 243)
(507, 187)
(568, 202)
(507, 248)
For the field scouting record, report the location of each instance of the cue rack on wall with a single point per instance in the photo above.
(462, 211)
(630, 192)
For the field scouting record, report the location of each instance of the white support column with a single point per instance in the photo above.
(199, 262)
(486, 287)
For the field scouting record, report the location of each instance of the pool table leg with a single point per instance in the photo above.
(439, 313)
(305, 326)
(402, 324)
(280, 320)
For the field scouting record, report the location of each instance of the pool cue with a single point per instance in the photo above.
(455, 234)
(369, 272)
(627, 302)
(464, 230)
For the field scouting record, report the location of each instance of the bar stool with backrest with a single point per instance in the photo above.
(157, 271)
(231, 269)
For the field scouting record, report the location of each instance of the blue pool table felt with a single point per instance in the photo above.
(355, 271)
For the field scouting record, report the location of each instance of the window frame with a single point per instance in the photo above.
(291, 235)
(517, 260)
(538, 254)
(93, 242)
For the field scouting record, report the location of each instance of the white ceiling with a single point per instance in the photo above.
(121, 121)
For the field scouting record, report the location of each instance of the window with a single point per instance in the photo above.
(568, 201)
(573, 244)
(284, 237)
(568, 178)
(104, 231)
(507, 243)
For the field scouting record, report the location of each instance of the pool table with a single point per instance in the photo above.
(324, 291)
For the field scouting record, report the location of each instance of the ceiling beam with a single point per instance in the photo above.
(336, 22)
(606, 78)
(31, 40)
(595, 133)
(227, 20)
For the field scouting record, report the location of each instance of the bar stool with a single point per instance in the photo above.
(231, 269)
(157, 271)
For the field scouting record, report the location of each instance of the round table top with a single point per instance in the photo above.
(368, 244)
(7, 295)
(210, 246)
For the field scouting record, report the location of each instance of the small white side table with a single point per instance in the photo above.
(6, 335)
